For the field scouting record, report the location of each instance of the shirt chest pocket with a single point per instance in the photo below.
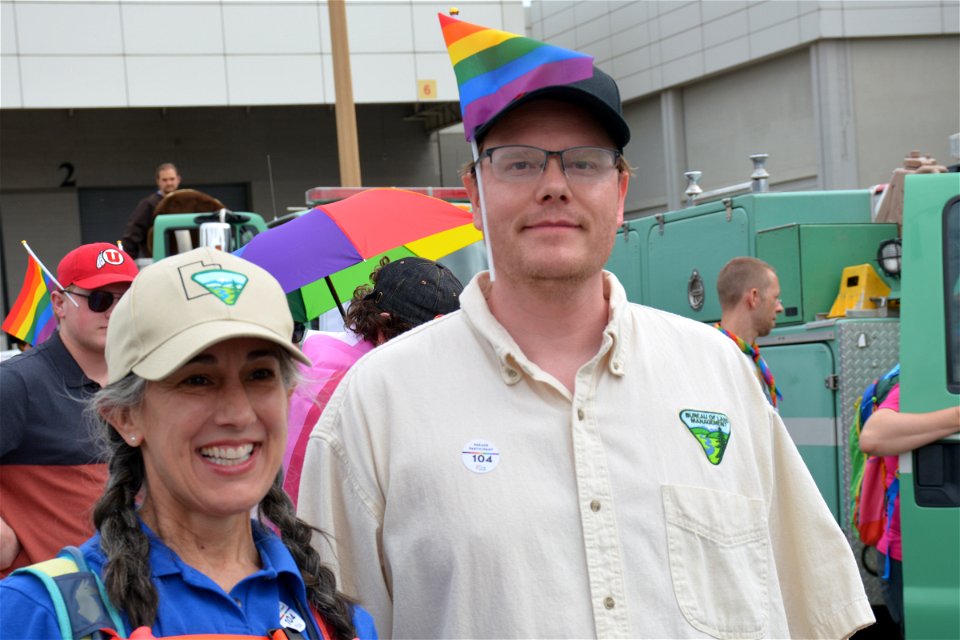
(718, 549)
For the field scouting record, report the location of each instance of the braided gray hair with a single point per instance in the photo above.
(126, 573)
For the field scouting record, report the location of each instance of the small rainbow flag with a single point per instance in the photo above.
(494, 68)
(31, 319)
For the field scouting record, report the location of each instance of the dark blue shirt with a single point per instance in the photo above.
(189, 601)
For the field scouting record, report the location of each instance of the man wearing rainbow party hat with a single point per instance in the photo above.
(552, 461)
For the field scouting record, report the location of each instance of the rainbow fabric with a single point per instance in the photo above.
(753, 352)
(494, 67)
(31, 319)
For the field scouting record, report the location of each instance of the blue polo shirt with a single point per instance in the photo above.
(189, 601)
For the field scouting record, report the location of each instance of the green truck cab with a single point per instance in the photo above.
(671, 261)
(930, 380)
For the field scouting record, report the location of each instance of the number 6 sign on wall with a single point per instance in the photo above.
(426, 89)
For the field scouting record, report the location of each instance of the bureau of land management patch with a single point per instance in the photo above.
(711, 429)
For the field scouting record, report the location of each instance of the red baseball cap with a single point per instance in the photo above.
(91, 266)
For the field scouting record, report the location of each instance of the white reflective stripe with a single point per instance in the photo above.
(906, 463)
(906, 458)
(812, 431)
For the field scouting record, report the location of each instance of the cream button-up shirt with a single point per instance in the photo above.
(470, 494)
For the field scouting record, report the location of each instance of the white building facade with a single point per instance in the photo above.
(239, 94)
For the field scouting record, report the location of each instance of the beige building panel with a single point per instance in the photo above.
(719, 8)
(906, 96)
(769, 13)
(679, 18)
(725, 29)
(646, 154)
(766, 108)
(726, 55)
(8, 32)
(10, 82)
(155, 29)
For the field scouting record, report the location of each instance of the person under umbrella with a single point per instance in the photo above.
(405, 294)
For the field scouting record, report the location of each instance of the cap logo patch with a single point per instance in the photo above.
(225, 285)
(203, 278)
(109, 256)
(712, 431)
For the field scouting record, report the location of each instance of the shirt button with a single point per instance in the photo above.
(512, 373)
(580, 414)
(608, 602)
(595, 505)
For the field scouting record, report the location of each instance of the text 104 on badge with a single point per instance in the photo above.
(480, 456)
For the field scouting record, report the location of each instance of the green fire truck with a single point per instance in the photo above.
(824, 245)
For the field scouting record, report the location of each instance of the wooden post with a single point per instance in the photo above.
(347, 147)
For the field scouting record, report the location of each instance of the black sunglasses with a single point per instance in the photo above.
(98, 301)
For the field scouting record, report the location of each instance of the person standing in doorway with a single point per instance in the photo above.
(402, 295)
(135, 235)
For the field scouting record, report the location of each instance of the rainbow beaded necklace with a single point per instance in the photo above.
(753, 352)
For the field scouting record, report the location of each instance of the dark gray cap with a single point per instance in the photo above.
(416, 290)
(599, 95)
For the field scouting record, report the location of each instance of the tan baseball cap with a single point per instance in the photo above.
(181, 305)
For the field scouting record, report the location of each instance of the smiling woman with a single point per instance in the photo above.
(201, 368)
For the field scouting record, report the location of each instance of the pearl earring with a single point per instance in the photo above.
(133, 439)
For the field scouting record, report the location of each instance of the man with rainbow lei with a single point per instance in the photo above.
(749, 293)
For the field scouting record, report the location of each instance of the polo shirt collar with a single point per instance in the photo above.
(73, 375)
(276, 559)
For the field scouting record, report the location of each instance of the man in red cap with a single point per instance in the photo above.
(50, 469)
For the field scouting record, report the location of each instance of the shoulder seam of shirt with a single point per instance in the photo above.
(333, 442)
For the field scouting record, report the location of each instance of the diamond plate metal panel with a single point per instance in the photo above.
(866, 349)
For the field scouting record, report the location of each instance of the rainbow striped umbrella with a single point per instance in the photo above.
(322, 256)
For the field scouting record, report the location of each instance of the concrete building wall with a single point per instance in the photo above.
(906, 95)
(830, 90)
(837, 92)
(763, 108)
(175, 53)
(651, 46)
(646, 155)
(118, 149)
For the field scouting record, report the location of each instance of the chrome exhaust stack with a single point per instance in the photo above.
(759, 183)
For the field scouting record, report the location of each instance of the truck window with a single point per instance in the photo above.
(951, 285)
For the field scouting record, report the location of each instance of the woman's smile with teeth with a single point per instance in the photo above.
(227, 455)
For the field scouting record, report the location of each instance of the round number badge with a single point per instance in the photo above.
(480, 456)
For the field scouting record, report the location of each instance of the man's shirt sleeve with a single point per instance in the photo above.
(13, 409)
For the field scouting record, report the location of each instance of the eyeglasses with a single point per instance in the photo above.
(523, 163)
(98, 301)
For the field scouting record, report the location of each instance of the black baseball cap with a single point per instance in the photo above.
(598, 94)
(416, 290)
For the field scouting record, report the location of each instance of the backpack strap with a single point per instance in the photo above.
(45, 572)
(893, 491)
(78, 595)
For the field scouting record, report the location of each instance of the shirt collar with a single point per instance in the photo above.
(276, 559)
(73, 375)
(513, 363)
